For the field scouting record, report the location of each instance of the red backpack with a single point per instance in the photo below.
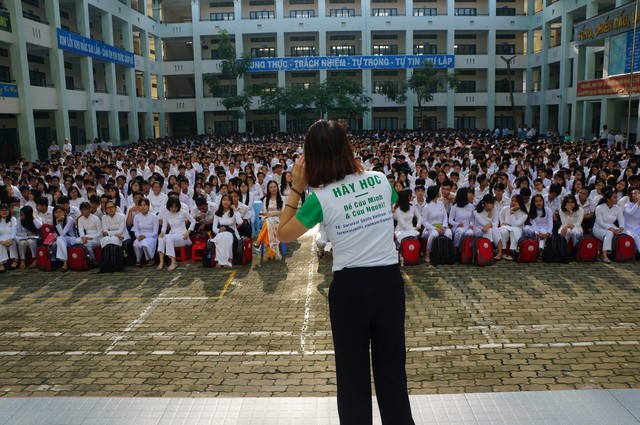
(623, 249)
(45, 258)
(528, 250)
(586, 250)
(243, 253)
(410, 250)
(482, 252)
(466, 250)
(79, 258)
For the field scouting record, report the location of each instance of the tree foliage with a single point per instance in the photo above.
(426, 81)
(231, 68)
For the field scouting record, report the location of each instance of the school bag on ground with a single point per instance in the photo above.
(442, 251)
(586, 250)
(466, 251)
(482, 250)
(623, 249)
(46, 258)
(79, 258)
(242, 251)
(111, 259)
(209, 259)
(556, 250)
(410, 250)
(528, 250)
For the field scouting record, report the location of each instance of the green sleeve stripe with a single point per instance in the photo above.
(310, 213)
(394, 195)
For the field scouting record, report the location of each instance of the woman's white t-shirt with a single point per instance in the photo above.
(356, 212)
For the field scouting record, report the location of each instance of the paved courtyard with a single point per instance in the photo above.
(264, 330)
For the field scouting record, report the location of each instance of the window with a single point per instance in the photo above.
(299, 14)
(302, 38)
(4, 52)
(341, 1)
(425, 1)
(467, 87)
(225, 16)
(302, 2)
(465, 49)
(303, 51)
(264, 75)
(385, 123)
(506, 49)
(425, 36)
(506, 11)
(385, 36)
(386, 11)
(465, 123)
(378, 85)
(69, 82)
(311, 74)
(385, 73)
(263, 39)
(302, 86)
(38, 78)
(502, 86)
(466, 36)
(221, 4)
(68, 65)
(425, 49)
(64, 15)
(262, 14)
(381, 50)
(263, 52)
(342, 13)
(342, 37)
(425, 11)
(343, 50)
(505, 36)
(384, 1)
(261, 2)
(466, 11)
(35, 59)
(5, 74)
(34, 3)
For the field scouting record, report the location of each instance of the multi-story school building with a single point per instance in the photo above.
(129, 69)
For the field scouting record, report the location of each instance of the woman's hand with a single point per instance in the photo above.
(486, 228)
(141, 237)
(186, 235)
(299, 174)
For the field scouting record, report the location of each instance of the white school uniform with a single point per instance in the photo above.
(8, 233)
(90, 227)
(116, 225)
(147, 226)
(224, 240)
(175, 238)
(605, 218)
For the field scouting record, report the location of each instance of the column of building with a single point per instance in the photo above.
(110, 80)
(197, 66)
(565, 73)
(56, 62)
(408, 109)
(86, 71)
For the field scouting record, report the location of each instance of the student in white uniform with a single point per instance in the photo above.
(405, 214)
(512, 221)
(65, 234)
(8, 246)
(607, 213)
(571, 216)
(225, 227)
(434, 219)
(114, 226)
(27, 234)
(89, 229)
(157, 199)
(44, 211)
(632, 216)
(145, 230)
(175, 217)
(486, 222)
(540, 221)
(461, 215)
(366, 300)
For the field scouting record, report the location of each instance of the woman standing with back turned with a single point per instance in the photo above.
(366, 297)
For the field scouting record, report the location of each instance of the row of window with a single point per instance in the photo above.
(347, 13)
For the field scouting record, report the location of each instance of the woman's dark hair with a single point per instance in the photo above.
(283, 183)
(144, 201)
(533, 212)
(521, 204)
(64, 222)
(462, 197)
(566, 199)
(404, 202)
(328, 154)
(27, 222)
(173, 202)
(607, 193)
(432, 193)
(6, 207)
(267, 196)
(486, 199)
(220, 210)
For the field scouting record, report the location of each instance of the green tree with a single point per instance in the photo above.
(426, 81)
(231, 69)
(394, 91)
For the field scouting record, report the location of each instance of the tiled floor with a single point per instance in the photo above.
(606, 407)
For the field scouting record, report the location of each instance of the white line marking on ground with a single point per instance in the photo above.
(307, 302)
(461, 347)
(481, 317)
(138, 321)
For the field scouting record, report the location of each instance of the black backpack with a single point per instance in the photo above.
(442, 251)
(209, 259)
(556, 250)
(111, 259)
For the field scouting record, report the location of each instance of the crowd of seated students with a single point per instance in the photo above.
(156, 194)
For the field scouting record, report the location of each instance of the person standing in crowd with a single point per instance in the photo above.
(366, 297)
(67, 149)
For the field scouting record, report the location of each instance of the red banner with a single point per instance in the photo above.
(608, 86)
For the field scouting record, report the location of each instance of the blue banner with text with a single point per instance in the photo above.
(75, 43)
(312, 63)
(8, 90)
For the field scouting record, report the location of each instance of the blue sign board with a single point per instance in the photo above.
(311, 63)
(8, 90)
(628, 51)
(75, 43)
